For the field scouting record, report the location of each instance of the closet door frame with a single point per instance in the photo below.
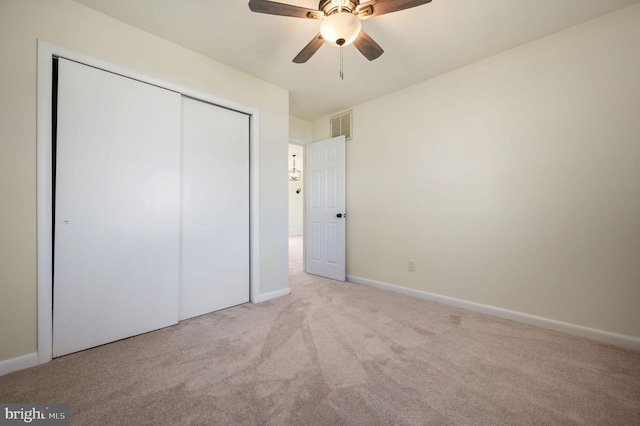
(44, 184)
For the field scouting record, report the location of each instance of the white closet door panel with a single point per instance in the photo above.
(215, 209)
(117, 221)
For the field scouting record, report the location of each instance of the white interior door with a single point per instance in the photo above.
(116, 270)
(325, 208)
(215, 209)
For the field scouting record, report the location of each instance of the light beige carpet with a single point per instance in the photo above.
(338, 353)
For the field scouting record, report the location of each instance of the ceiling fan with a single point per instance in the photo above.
(340, 22)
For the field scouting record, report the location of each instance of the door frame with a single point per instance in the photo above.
(44, 184)
(303, 144)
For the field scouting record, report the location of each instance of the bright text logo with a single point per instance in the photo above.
(37, 414)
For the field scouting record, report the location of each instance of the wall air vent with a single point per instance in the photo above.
(342, 124)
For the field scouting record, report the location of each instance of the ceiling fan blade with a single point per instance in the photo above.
(309, 50)
(367, 46)
(380, 7)
(274, 8)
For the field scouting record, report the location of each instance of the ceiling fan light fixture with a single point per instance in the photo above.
(340, 29)
(340, 22)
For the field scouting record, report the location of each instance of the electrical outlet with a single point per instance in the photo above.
(411, 266)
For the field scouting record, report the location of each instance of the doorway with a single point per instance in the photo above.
(319, 216)
(296, 205)
(296, 191)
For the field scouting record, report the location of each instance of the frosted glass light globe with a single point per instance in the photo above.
(340, 26)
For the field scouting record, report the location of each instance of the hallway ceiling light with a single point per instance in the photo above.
(294, 174)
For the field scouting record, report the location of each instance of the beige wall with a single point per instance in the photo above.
(512, 182)
(299, 130)
(80, 29)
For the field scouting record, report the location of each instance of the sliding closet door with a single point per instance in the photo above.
(116, 262)
(215, 209)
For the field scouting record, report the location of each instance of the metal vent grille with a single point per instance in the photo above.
(341, 124)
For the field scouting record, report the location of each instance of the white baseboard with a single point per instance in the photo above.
(577, 330)
(272, 295)
(19, 363)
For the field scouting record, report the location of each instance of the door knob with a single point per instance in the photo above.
(339, 215)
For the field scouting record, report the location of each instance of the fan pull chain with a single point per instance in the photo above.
(341, 65)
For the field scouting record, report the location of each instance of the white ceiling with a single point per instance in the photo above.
(419, 43)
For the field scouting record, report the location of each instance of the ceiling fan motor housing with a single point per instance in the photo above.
(328, 7)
